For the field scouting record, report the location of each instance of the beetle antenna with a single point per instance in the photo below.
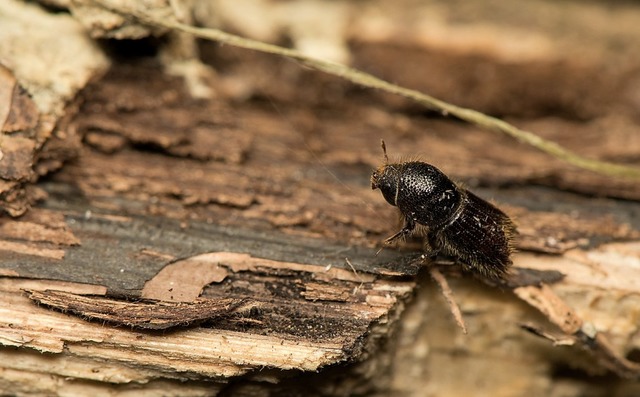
(384, 150)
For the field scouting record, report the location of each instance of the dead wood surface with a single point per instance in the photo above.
(227, 245)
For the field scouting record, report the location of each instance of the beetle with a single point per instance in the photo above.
(454, 221)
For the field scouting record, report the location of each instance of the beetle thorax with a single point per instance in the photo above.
(426, 195)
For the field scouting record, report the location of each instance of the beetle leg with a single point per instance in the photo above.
(430, 247)
(407, 228)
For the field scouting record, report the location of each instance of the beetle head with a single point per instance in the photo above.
(386, 178)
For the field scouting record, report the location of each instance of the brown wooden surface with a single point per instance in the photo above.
(228, 245)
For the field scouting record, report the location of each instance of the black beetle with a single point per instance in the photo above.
(455, 221)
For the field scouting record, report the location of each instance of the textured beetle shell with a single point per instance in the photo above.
(426, 195)
(459, 223)
(481, 237)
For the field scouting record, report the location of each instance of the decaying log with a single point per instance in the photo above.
(40, 76)
(253, 314)
(227, 245)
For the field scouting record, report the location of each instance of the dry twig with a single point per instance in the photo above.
(576, 329)
(439, 278)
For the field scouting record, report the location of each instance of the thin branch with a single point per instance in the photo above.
(448, 295)
(564, 317)
(368, 80)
